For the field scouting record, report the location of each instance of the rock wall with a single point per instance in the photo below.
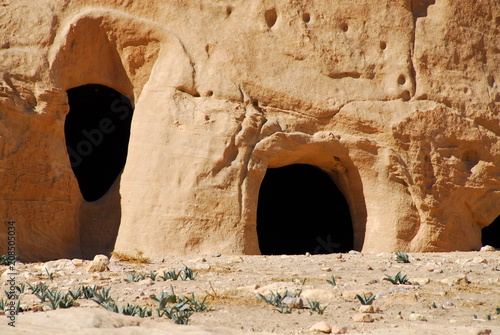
(397, 100)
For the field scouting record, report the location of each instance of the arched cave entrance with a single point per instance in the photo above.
(97, 131)
(301, 210)
(491, 234)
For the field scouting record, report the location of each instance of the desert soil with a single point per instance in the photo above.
(450, 293)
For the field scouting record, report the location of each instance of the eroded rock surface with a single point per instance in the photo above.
(398, 101)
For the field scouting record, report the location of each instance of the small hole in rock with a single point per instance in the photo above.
(491, 80)
(344, 27)
(271, 16)
(401, 80)
(229, 10)
(405, 95)
(383, 45)
(466, 90)
(209, 93)
(306, 17)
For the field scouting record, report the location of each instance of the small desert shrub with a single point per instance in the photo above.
(402, 257)
(55, 299)
(332, 281)
(315, 306)
(364, 300)
(398, 279)
(182, 309)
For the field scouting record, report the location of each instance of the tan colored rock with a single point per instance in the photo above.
(339, 329)
(456, 280)
(317, 294)
(395, 98)
(99, 264)
(363, 317)
(421, 281)
(367, 309)
(321, 327)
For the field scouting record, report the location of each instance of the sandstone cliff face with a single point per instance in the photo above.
(398, 101)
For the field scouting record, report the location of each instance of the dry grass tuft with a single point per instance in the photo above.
(138, 258)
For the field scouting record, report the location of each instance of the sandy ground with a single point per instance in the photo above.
(450, 293)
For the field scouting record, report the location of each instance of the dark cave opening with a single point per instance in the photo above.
(491, 234)
(97, 131)
(300, 209)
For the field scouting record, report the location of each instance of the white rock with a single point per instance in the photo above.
(293, 302)
(146, 282)
(416, 317)
(321, 327)
(487, 248)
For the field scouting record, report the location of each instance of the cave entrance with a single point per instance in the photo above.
(300, 209)
(491, 234)
(97, 131)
